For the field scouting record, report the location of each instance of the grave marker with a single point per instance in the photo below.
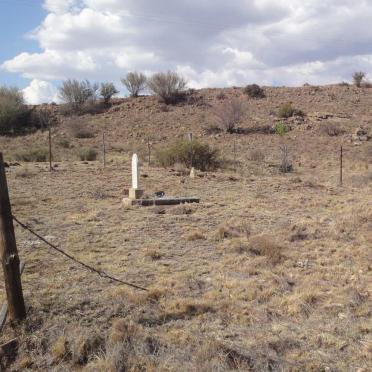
(135, 192)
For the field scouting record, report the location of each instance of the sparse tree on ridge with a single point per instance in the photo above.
(107, 91)
(77, 93)
(135, 82)
(358, 78)
(168, 86)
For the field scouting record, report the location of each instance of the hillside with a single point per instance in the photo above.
(270, 272)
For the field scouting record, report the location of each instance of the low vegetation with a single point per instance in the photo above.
(281, 128)
(14, 115)
(254, 91)
(88, 154)
(33, 154)
(285, 162)
(229, 114)
(78, 128)
(287, 110)
(189, 153)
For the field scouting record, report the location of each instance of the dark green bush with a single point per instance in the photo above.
(254, 91)
(190, 154)
(88, 154)
(34, 154)
(14, 115)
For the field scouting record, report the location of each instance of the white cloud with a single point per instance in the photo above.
(212, 42)
(40, 92)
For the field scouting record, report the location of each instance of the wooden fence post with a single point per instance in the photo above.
(148, 151)
(9, 254)
(104, 148)
(50, 149)
(341, 165)
(234, 150)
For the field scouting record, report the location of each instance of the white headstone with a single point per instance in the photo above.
(135, 172)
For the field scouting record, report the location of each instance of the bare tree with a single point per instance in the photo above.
(229, 114)
(168, 86)
(135, 82)
(77, 93)
(107, 91)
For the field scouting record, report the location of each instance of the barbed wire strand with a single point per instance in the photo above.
(90, 268)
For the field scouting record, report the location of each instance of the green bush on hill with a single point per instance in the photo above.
(190, 154)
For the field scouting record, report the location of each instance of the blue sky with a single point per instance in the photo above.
(17, 18)
(211, 43)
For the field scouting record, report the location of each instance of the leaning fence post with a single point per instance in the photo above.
(9, 254)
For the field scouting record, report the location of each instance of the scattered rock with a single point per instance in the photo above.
(361, 134)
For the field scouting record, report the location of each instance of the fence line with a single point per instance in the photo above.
(86, 266)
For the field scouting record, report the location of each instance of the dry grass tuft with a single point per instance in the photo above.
(195, 235)
(233, 229)
(154, 254)
(182, 209)
(59, 349)
(264, 245)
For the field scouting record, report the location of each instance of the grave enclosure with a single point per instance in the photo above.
(137, 195)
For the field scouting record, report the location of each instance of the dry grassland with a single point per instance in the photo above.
(269, 272)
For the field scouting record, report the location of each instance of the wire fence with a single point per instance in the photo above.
(101, 273)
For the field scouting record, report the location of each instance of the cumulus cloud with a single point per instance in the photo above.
(40, 92)
(212, 42)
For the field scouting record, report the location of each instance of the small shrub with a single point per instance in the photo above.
(168, 86)
(333, 130)
(135, 83)
(254, 91)
(286, 111)
(34, 154)
(281, 128)
(257, 155)
(189, 153)
(212, 129)
(64, 143)
(88, 154)
(358, 77)
(229, 115)
(107, 91)
(221, 96)
(233, 229)
(285, 163)
(265, 246)
(78, 129)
